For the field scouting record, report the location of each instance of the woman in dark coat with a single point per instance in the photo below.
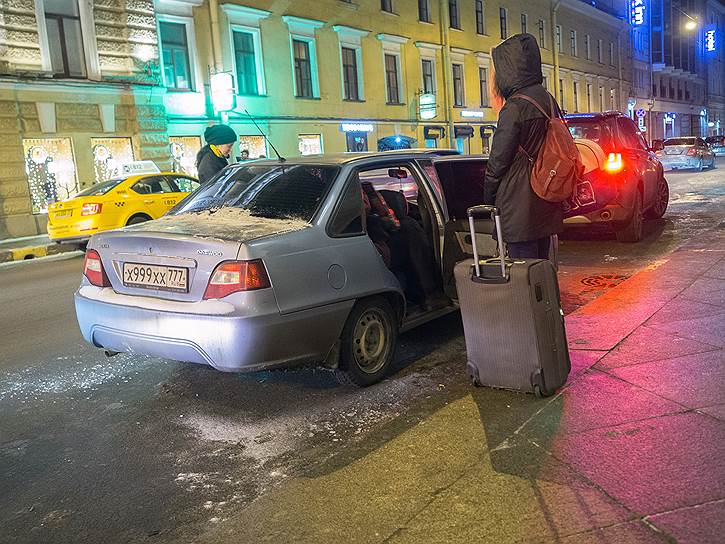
(213, 156)
(527, 220)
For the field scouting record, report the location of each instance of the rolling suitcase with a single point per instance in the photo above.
(512, 320)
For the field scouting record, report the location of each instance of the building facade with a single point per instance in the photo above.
(87, 85)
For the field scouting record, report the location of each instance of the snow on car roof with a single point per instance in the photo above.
(343, 158)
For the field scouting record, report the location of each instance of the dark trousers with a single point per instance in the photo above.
(531, 249)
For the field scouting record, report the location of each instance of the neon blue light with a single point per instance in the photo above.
(397, 139)
(710, 42)
(636, 12)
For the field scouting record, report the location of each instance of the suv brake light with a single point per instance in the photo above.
(691, 152)
(234, 276)
(91, 208)
(93, 269)
(614, 163)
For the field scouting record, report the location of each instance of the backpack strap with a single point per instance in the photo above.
(536, 104)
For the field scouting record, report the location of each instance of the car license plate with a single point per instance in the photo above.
(63, 213)
(149, 276)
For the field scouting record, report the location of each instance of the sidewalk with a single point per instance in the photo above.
(32, 247)
(632, 450)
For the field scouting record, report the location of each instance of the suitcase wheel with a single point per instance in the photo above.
(541, 394)
(473, 375)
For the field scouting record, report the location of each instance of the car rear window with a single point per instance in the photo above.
(680, 141)
(275, 191)
(100, 189)
(597, 131)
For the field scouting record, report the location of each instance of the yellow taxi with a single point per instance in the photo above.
(132, 198)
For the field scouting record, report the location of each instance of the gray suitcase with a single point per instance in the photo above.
(512, 320)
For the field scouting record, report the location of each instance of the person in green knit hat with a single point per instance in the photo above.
(213, 156)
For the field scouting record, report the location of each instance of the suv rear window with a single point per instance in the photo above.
(597, 131)
(680, 141)
(275, 191)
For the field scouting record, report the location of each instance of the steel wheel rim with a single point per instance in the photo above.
(370, 340)
(664, 198)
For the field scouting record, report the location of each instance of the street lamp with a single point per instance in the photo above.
(691, 25)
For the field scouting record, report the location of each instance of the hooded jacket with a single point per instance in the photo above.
(507, 183)
(208, 164)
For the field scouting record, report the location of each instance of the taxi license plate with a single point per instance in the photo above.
(148, 276)
(63, 213)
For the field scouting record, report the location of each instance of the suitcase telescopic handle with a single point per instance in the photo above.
(494, 213)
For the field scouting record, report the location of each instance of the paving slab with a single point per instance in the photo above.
(708, 330)
(694, 380)
(596, 400)
(583, 360)
(701, 524)
(717, 271)
(647, 344)
(654, 465)
(681, 308)
(624, 533)
(708, 290)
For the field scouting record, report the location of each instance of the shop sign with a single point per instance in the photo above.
(640, 124)
(357, 127)
(472, 113)
(427, 106)
(222, 91)
(710, 41)
(636, 12)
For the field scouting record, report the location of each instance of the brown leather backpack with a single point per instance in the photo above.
(557, 167)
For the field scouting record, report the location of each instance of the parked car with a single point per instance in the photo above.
(116, 203)
(686, 152)
(717, 144)
(271, 265)
(630, 168)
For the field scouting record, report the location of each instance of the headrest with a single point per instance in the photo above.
(591, 153)
(397, 202)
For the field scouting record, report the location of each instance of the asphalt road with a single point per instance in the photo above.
(134, 449)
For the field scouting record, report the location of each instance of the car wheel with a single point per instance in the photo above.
(662, 200)
(632, 232)
(136, 219)
(368, 344)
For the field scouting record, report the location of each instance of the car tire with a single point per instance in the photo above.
(632, 232)
(662, 199)
(368, 343)
(136, 219)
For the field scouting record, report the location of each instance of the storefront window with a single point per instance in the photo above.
(183, 150)
(108, 156)
(50, 169)
(255, 146)
(310, 144)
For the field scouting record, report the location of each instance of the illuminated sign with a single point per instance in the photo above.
(640, 124)
(472, 113)
(636, 12)
(356, 127)
(222, 91)
(710, 42)
(641, 113)
(427, 106)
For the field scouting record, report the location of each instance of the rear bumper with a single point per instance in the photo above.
(679, 161)
(226, 341)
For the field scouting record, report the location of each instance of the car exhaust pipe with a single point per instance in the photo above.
(606, 215)
(109, 353)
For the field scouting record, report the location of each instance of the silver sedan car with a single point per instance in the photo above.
(686, 152)
(279, 263)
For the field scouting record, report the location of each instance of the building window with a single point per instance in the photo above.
(483, 85)
(524, 23)
(392, 81)
(309, 144)
(109, 154)
(428, 76)
(182, 151)
(424, 11)
(612, 99)
(542, 34)
(588, 46)
(65, 40)
(303, 69)
(175, 56)
(454, 14)
(574, 50)
(386, 5)
(575, 88)
(480, 20)
(601, 98)
(459, 98)
(600, 58)
(589, 97)
(561, 94)
(611, 54)
(245, 61)
(559, 44)
(350, 74)
(256, 146)
(503, 23)
(51, 171)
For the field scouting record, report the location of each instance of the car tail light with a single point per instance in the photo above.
(91, 208)
(614, 163)
(691, 152)
(93, 269)
(233, 276)
(658, 153)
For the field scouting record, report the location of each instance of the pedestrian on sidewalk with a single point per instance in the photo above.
(213, 156)
(528, 222)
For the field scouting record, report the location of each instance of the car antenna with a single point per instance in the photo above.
(280, 157)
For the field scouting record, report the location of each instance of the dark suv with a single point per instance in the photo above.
(631, 168)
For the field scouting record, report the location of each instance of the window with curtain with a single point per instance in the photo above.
(503, 23)
(349, 74)
(391, 78)
(428, 76)
(480, 21)
(458, 92)
(454, 14)
(424, 11)
(483, 85)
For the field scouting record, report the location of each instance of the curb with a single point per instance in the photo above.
(35, 252)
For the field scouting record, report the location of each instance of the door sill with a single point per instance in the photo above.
(421, 317)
